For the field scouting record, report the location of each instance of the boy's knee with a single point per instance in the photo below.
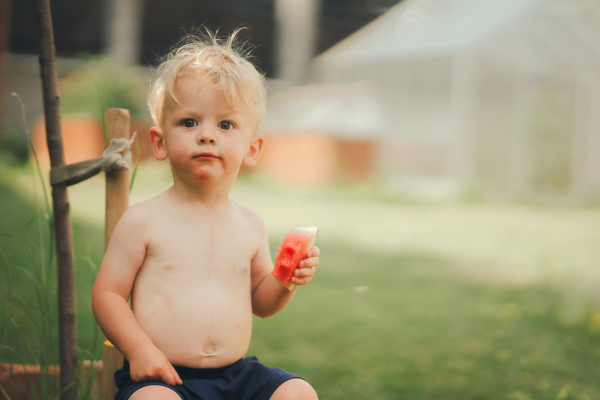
(154, 392)
(295, 389)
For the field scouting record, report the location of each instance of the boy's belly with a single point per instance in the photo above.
(208, 327)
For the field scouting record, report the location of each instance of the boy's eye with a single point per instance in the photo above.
(189, 123)
(225, 125)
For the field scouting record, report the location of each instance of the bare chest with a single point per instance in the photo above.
(199, 252)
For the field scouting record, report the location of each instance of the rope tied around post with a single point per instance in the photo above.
(115, 156)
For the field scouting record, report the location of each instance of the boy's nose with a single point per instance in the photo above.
(206, 136)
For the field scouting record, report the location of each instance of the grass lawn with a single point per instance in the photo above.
(411, 301)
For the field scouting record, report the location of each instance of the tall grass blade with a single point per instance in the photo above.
(6, 396)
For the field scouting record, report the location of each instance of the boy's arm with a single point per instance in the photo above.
(110, 295)
(268, 295)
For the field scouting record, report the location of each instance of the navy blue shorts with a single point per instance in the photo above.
(246, 379)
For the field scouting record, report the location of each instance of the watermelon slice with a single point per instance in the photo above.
(294, 248)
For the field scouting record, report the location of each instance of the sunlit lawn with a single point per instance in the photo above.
(447, 300)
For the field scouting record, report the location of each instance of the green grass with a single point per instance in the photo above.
(28, 282)
(410, 301)
(405, 326)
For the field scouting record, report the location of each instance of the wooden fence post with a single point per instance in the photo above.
(117, 201)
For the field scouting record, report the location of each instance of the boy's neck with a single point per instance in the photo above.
(209, 195)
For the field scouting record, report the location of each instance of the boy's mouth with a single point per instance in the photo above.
(206, 156)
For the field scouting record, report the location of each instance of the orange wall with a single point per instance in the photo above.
(310, 158)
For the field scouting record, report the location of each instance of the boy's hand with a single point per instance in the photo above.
(306, 268)
(152, 365)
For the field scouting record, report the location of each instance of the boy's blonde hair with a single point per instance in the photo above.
(220, 62)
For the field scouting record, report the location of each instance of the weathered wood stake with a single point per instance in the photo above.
(62, 219)
(117, 201)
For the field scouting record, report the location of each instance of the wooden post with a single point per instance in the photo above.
(117, 201)
(62, 219)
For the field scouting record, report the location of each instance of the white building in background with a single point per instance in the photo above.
(502, 95)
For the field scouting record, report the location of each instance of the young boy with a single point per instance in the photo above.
(196, 264)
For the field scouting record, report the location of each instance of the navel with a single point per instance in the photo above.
(209, 349)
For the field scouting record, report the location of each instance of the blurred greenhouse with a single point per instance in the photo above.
(499, 95)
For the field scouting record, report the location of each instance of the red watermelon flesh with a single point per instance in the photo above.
(294, 248)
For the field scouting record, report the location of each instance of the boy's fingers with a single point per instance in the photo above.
(170, 376)
(166, 377)
(302, 280)
(304, 272)
(309, 263)
(176, 377)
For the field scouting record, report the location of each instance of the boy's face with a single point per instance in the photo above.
(203, 136)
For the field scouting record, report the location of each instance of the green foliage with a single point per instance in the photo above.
(102, 83)
(28, 283)
(13, 145)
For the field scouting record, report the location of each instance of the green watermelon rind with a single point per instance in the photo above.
(314, 230)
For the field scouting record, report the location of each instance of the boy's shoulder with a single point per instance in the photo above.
(250, 216)
(140, 212)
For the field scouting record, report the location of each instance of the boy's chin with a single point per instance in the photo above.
(208, 176)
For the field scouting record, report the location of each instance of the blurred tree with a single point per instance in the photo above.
(123, 29)
(296, 26)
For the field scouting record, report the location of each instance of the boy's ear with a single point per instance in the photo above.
(158, 143)
(256, 147)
